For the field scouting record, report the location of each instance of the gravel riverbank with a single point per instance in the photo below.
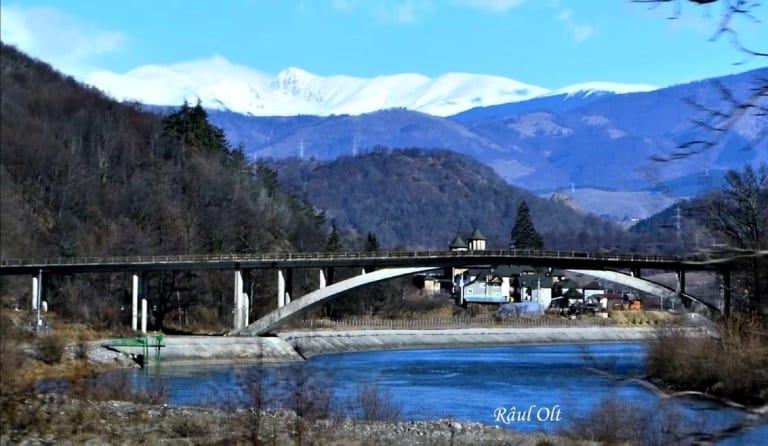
(65, 421)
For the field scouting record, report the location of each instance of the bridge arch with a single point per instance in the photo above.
(311, 300)
(644, 285)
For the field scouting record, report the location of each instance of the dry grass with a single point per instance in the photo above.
(733, 365)
(614, 421)
(650, 318)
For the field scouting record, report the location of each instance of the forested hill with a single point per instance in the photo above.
(421, 198)
(83, 175)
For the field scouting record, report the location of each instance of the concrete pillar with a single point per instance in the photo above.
(322, 278)
(135, 303)
(238, 301)
(679, 286)
(681, 280)
(35, 291)
(288, 285)
(37, 299)
(280, 288)
(284, 286)
(144, 316)
(362, 271)
(246, 309)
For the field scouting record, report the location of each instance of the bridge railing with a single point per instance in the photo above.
(304, 256)
(449, 322)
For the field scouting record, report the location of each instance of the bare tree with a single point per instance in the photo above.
(731, 10)
(715, 121)
(740, 214)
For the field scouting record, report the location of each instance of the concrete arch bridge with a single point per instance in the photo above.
(385, 265)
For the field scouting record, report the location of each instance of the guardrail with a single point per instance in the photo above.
(300, 256)
(450, 322)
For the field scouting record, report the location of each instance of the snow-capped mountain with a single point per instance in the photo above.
(222, 85)
(604, 87)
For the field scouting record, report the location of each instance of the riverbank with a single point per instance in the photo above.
(69, 421)
(299, 345)
(310, 343)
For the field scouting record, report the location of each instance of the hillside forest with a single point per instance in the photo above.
(85, 176)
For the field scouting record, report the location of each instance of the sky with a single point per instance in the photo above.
(548, 43)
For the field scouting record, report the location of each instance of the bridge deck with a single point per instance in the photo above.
(558, 259)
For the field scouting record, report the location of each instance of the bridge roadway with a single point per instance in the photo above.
(555, 259)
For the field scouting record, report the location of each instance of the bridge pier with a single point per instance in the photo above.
(135, 302)
(35, 291)
(139, 292)
(284, 286)
(679, 286)
(241, 299)
(37, 298)
(144, 316)
(322, 279)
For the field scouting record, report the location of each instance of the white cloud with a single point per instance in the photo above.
(343, 5)
(405, 13)
(492, 5)
(64, 41)
(579, 32)
(387, 11)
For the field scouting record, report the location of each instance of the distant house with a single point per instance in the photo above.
(483, 286)
(499, 284)
(476, 243)
(536, 287)
(432, 285)
(591, 289)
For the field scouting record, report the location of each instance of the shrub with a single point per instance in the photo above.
(117, 386)
(733, 365)
(377, 404)
(256, 384)
(614, 421)
(50, 348)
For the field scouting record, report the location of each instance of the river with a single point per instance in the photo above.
(526, 388)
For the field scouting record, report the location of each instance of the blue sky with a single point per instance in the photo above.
(548, 43)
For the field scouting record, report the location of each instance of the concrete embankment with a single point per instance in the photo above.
(297, 345)
(310, 343)
(211, 349)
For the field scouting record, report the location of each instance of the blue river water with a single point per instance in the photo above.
(526, 388)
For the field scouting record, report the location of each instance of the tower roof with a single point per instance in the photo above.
(457, 243)
(477, 235)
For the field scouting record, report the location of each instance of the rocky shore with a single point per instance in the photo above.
(65, 421)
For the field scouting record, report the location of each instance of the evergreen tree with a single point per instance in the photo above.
(334, 241)
(190, 127)
(371, 242)
(524, 234)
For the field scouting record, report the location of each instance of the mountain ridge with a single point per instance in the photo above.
(420, 199)
(587, 143)
(294, 91)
